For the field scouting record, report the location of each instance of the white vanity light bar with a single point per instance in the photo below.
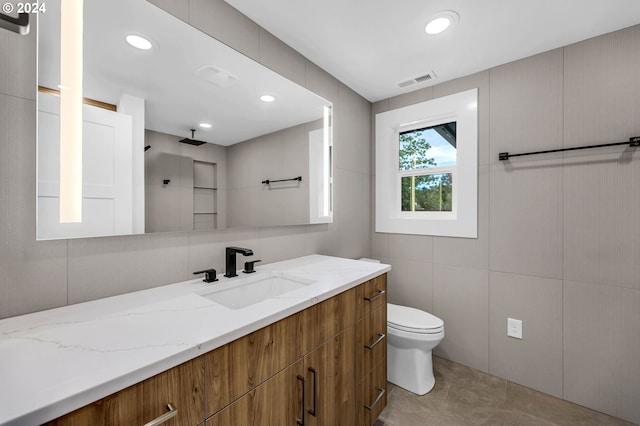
(327, 178)
(71, 22)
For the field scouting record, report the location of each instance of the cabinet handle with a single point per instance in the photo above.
(173, 411)
(370, 407)
(315, 391)
(373, 345)
(371, 299)
(300, 421)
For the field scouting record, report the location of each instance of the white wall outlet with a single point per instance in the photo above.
(514, 328)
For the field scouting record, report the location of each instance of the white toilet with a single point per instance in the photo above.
(412, 335)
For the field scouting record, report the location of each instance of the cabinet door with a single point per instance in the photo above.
(329, 372)
(182, 387)
(121, 408)
(234, 369)
(370, 295)
(372, 395)
(371, 341)
(276, 402)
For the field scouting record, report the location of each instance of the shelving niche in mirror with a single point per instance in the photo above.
(136, 175)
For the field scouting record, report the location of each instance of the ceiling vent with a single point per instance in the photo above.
(421, 79)
(217, 76)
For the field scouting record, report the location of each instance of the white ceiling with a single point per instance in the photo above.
(372, 45)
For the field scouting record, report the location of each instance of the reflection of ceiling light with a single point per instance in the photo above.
(138, 42)
(205, 125)
(441, 21)
(267, 98)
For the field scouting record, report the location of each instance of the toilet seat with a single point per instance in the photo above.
(413, 320)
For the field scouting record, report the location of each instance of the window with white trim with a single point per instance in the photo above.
(426, 167)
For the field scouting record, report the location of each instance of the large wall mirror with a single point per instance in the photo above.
(259, 153)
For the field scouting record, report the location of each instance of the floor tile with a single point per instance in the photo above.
(467, 397)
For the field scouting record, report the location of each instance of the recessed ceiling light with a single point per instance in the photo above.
(267, 98)
(139, 42)
(205, 125)
(441, 21)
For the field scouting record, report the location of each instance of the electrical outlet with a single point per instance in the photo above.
(514, 328)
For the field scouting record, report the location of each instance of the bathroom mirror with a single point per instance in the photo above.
(247, 163)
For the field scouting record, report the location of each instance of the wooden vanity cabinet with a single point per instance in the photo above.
(325, 365)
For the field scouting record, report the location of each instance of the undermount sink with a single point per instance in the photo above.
(243, 292)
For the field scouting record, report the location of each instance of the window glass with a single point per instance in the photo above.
(428, 147)
(427, 193)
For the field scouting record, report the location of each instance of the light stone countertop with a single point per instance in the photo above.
(53, 362)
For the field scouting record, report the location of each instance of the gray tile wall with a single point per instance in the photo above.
(46, 274)
(559, 235)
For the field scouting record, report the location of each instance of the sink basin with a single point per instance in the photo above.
(243, 292)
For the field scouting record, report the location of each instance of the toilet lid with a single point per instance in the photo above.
(412, 320)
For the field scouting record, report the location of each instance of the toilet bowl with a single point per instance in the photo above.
(412, 335)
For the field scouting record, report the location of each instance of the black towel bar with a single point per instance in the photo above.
(634, 141)
(267, 182)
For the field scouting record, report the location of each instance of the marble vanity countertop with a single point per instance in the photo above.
(53, 362)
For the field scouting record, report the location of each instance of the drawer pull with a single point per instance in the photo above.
(381, 337)
(315, 391)
(371, 299)
(373, 404)
(300, 421)
(173, 411)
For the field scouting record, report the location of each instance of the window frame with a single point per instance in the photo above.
(462, 220)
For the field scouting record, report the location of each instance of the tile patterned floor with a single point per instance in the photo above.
(467, 397)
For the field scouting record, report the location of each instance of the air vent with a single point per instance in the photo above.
(421, 79)
(217, 76)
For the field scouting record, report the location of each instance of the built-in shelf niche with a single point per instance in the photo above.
(205, 195)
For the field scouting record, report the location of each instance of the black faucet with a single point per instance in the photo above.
(230, 259)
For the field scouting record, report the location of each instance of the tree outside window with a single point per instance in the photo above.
(427, 148)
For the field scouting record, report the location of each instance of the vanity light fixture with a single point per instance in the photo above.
(139, 42)
(267, 98)
(205, 125)
(441, 21)
(71, 34)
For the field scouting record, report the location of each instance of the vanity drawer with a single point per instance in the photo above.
(371, 343)
(182, 387)
(370, 295)
(236, 368)
(371, 395)
(121, 408)
(326, 319)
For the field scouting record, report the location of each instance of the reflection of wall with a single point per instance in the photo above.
(279, 155)
(179, 204)
(45, 274)
(558, 235)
